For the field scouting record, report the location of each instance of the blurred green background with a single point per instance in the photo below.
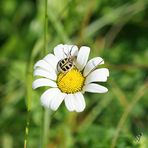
(116, 31)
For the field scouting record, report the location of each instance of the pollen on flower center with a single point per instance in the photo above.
(70, 82)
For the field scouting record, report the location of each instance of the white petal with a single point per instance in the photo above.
(99, 75)
(58, 51)
(57, 100)
(44, 65)
(71, 50)
(82, 57)
(74, 51)
(51, 60)
(61, 51)
(44, 73)
(70, 102)
(95, 88)
(92, 64)
(79, 102)
(43, 82)
(48, 95)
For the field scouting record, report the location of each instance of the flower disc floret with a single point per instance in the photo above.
(70, 82)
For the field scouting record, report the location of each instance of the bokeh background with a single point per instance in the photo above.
(116, 31)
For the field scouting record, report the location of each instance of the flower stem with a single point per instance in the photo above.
(28, 99)
(46, 114)
(27, 130)
(46, 124)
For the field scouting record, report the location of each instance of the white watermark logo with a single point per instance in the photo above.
(138, 137)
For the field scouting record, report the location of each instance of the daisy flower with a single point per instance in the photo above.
(71, 85)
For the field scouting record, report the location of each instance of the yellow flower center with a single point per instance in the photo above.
(70, 82)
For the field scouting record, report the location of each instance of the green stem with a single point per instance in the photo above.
(28, 100)
(45, 28)
(27, 130)
(46, 114)
(46, 124)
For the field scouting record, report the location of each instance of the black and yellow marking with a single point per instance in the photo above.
(65, 64)
(67, 67)
(63, 69)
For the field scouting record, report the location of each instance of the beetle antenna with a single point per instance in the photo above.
(71, 50)
(95, 66)
(65, 52)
